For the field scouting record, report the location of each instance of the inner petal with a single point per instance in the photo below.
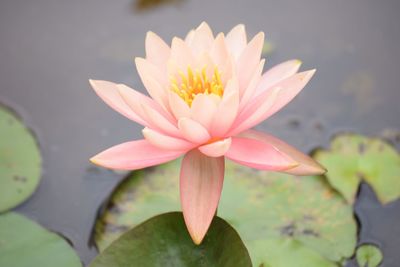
(194, 82)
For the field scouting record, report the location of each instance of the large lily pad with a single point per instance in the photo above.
(164, 241)
(283, 220)
(24, 243)
(20, 161)
(369, 256)
(354, 158)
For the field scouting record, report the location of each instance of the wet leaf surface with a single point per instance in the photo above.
(20, 161)
(164, 241)
(24, 243)
(353, 158)
(275, 214)
(369, 256)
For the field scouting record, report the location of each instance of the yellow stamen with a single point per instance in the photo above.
(196, 82)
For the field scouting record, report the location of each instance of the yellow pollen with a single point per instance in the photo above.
(196, 82)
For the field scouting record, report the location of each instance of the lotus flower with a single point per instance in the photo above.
(206, 94)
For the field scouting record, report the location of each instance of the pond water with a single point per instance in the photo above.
(50, 48)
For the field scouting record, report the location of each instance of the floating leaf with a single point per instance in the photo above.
(354, 158)
(24, 243)
(20, 161)
(164, 241)
(283, 220)
(368, 256)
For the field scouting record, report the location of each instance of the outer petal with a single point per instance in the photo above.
(193, 131)
(163, 141)
(216, 149)
(157, 51)
(259, 155)
(253, 84)
(236, 40)
(200, 186)
(260, 108)
(152, 79)
(278, 73)
(249, 61)
(108, 92)
(307, 166)
(134, 155)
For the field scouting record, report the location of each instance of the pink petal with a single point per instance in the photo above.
(202, 38)
(189, 37)
(216, 149)
(152, 79)
(135, 100)
(160, 122)
(203, 109)
(163, 141)
(249, 61)
(260, 107)
(134, 155)
(181, 57)
(227, 110)
(193, 131)
(178, 106)
(236, 40)
(157, 51)
(253, 84)
(289, 89)
(307, 166)
(254, 112)
(278, 73)
(201, 182)
(108, 92)
(259, 155)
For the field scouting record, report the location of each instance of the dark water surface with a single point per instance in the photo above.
(49, 49)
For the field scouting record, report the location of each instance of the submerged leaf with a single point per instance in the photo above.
(164, 241)
(24, 243)
(20, 161)
(283, 220)
(354, 158)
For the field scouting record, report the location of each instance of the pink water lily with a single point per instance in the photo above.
(206, 93)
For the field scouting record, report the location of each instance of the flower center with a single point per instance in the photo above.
(196, 82)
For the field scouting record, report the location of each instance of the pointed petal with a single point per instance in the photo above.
(160, 122)
(152, 80)
(201, 182)
(289, 89)
(227, 110)
(216, 149)
(202, 38)
(307, 166)
(236, 40)
(278, 73)
(181, 57)
(178, 106)
(253, 85)
(253, 114)
(163, 141)
(108, 92)
(157, 51)
(259, 155)
(193, 131)
(249, 61)
(203, 109)
(134, 155)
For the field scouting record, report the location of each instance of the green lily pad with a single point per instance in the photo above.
(20, 161)
(354, 158)
(164, 241)
(282, 219)
(369, 256)
(24, 243)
